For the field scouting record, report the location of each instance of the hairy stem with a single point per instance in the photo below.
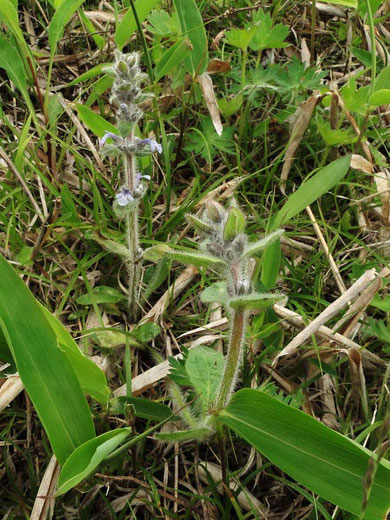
(233, 359)
(133, 262)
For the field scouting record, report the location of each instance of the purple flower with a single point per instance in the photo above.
(154, 146)
(139, 177)
(109, 135)
(124, 197)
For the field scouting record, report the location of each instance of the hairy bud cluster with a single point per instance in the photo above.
(223, 229)
(126, 91)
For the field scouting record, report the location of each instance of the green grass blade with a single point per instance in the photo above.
(60, 19)
(192, 26)
(90, 376)
(306, 194)
(87, 457)
(321, 459)
(44, 369)
(128, 25)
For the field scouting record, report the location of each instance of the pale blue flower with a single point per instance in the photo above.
(109, 135)
(139, 177)
(154, 145)
(124, 197)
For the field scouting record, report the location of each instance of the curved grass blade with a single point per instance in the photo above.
(46, 372)
(87, 457)
(306, 194)
(321, 459)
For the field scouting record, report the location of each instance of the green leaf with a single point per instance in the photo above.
(192, 27)
(204, 367)
(313, 189)
(90, 73)
(348, 3)
(97, 124)
(162, 23)
(271, 262)
(196, 259)
(127, 26)
(178, 372)
(184, 435)
(217, 292)
(144, 408)
(156, 253)
(234, 225)
(172, 57)
(384, 304)
(383, 79)
(355, 100)
(254, 301)
(160, 274)
(146, 332)
(255, 247)
(321, 459)
(240, 37)
(306, 194)
(228, 107)
(87, 457)
(9, 15)
(266, 36)
(58, 23)
(378, 329)
(90, 376)
(12, 63)
(99, 40)
(333, 137)
(199, 224)
(45, 370)
(380, 97)
(207, 142)
(101, 294)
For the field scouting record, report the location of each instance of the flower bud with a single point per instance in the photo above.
(199, 224)
(122, 67)
(234, 225)
(215, 211)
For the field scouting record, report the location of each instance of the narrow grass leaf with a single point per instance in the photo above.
(87, 457)
(127, 26)
(97, 124)
(348, 3)
(45, 371)
(12, 63)
(192, 26)
(60, 19)
(321, 459)
(144, 408)
(306, 194)
(9, 15)
(172, 57)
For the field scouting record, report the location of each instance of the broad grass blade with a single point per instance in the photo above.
(321, 459)
(45, 370)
